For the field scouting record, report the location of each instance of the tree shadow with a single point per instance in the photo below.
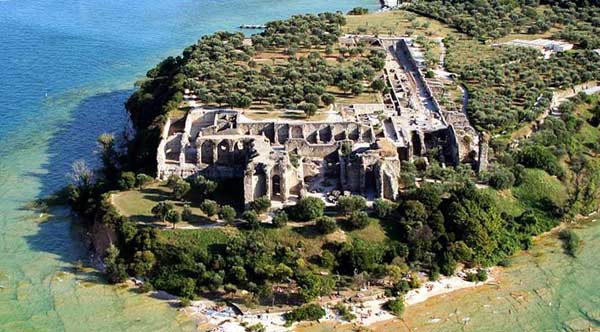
(307, 231)
(60, 234)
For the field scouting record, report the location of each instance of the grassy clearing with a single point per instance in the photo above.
(466, 51)
(396, 22)
(538, 187)
(374, 233)
(588, 134)
(367, 97)
(307, 239)
(137, 205)
(204, 238)
(270, 115)
(506, 202)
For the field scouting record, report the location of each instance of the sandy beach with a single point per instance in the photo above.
(367, 312)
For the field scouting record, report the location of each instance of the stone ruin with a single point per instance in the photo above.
(357, 150)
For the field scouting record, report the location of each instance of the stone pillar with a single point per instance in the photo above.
(482, 165)
(269, 183)
(249, 185)
(198, 153)
(215, 152)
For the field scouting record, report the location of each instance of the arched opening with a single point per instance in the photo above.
(224, 155)
(276, 187)
(370, 186)
(416, 143)
(239, 153)
(207, 152)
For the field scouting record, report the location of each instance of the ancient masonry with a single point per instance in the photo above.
(357, 149)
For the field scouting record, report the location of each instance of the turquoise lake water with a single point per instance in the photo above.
(66, 69)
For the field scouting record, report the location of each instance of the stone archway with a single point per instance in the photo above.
(276, 187)
(207, 156)
(224, 154)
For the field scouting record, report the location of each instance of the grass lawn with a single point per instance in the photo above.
(506, 202)
(137, 205)
(204, 238)
(588, 134)
(307, 239)
(374, 233)
(395, 22)
(538, 187)
(367, 97)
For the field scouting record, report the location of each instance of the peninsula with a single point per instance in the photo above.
(330, 160)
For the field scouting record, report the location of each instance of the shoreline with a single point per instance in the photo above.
(367, 312)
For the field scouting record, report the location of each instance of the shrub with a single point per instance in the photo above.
(174, 217)
(142, 180)
(344, 312)
(383, 208)
(537, 156)
(310, 311)
(378, 85)
(162, 209)
(349, 204)
(258, 327)
(209, 207)
(359, 219)
(326, 225)
(127, 180)
(179, 186)
(187, 214)
(309, 109)
(327, 99)
(471, 277)
(143, 262)
(358, 11)
(280, 219)
(395, 306)
(261, 204)
(307, 209)
(482, 275)
(115, 267)
(501, 178)
(251, 219)
(571, 241)
(227, 213)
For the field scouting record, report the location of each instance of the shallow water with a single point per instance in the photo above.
(67, 68)
(543, 290)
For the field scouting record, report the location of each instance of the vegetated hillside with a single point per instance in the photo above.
(510, 86)
(579, 21)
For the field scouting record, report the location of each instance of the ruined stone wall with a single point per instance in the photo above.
(305, 149)
(161, 157)
(388, 185)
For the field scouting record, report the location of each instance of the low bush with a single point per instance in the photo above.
(306, 312)
(326, 225)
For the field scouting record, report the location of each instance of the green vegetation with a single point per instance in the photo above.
(344, 312)
(307, 209)
(509, 86)
(358, 11)
(305, 312)
(300, 81)
(487, 19)
(395, 306)
(326, 225)
(571, 241)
